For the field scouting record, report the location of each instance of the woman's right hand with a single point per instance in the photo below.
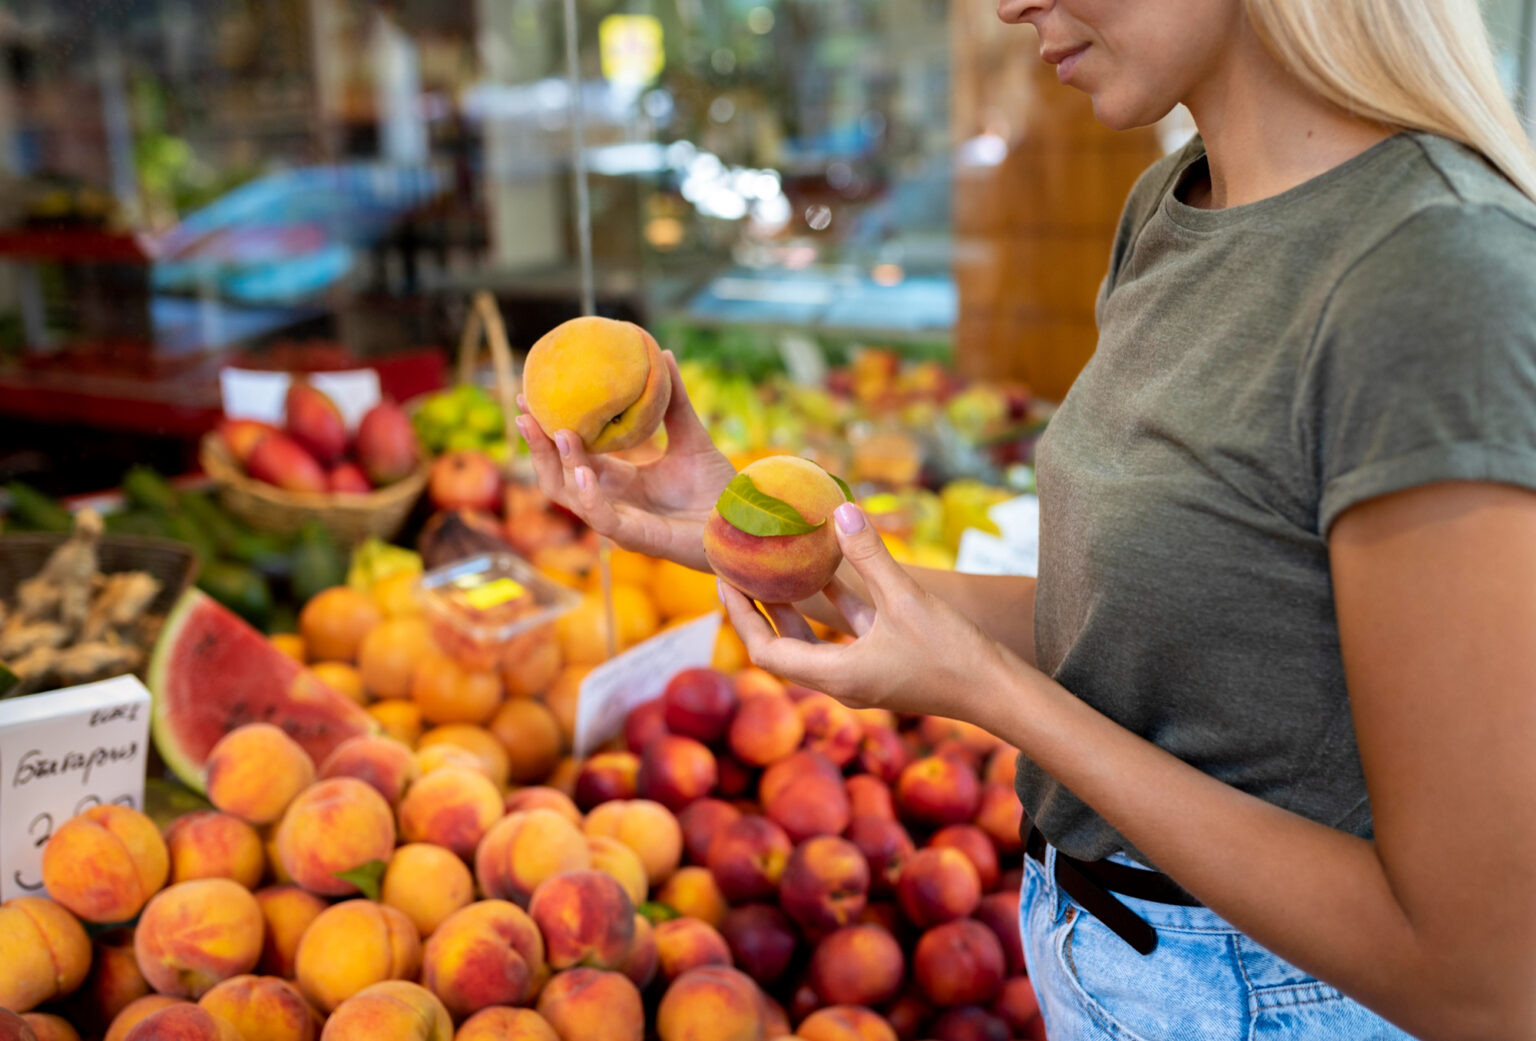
(657, 508)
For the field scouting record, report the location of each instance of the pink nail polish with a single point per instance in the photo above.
(850, 519)
(583, 478)
(563, 443)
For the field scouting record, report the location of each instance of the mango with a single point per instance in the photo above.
(604, 380)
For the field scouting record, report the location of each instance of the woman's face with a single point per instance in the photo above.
(1136, 59)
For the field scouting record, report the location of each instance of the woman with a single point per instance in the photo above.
(1274, 687)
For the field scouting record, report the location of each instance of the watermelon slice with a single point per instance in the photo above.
(212, 672)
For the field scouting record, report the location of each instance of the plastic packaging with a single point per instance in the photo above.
(477, 604)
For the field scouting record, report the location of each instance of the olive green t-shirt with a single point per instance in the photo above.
(1260, 369)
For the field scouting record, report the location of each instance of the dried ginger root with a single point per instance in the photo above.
(123, 598)
(88, 661)
(21, 638)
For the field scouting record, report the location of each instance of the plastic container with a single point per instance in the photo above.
(477, 604)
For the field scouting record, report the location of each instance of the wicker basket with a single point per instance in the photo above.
(173, 564)
(350, 518)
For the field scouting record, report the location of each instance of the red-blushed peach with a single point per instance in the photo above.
(969, 1023)
(204, 844)
(490, 755)
(195, 934)
(531, 736)
(645, 722)
(938, 885)
(46, 1026)
(607, 776)
(999, 912)
(700, 820)
(675, 771)
(803, 1000)
(135, 1012)
(352, 946)
(612, 857)
(935, 730)
(587, 919)
(1012, 880)
(426, 883)
(962, 753)
(645, 826)
(523, 849)
(114, 980)
(748, 857)
(887, 917)
(857, 965)
(1001, 766)
(959, 963)
(443, 755)
(693, 892)
(737, 780)
(810, 805)
(500, 1023)
(286, 910)
(825, 884)
(752, 681)
(780, 568)
(386, 764)
(255, 771)
(1017, 1004)
(334, 826)
(876, 717)
(1001, 815)
(868, 796)
(490, 953)
(765, 729)
(775, 1017)
(263, 1007)
(541, 797)
(909, 1015)
(183, 1022)
(14, 1028)
(937, 791)
(806, 761)
(44, 950)
(592, 1005)
(604, 380)
(105, 863)
(687, 943)
(975, 844)
(845, 1023)
(762, 939)
(711, 1003)
(452, 808)
(699, 703)
(396, 1009)
(643, 961)
(882, 753)
(831, 728)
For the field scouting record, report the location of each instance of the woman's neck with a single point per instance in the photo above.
(1264, 132)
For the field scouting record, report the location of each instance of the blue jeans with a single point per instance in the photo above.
(1205, 981)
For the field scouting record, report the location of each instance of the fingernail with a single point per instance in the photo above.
(850, 519)
(563, 443)
(583, 478)
(522, 403)
(720, 589)
(521, 422)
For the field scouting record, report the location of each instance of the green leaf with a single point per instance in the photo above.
(367, 877)
(7, 680)
(658, 912)
(756, 513)
(847, 491)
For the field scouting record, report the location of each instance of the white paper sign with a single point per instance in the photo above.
(252, 394)
(615, 688)
(60, 754)
(982, 553)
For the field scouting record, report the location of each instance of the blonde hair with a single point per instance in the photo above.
(1417, 64)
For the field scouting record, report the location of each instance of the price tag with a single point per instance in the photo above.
(60, 754)
(982, 553)
(618, 686)
(254, 394)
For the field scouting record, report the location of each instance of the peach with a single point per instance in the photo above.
(700, 820)
(531, 736)
(825, 884)
(909, 1015)
(334, 826)
(452, 808)
(766, 728)
(936, 730)
(426, 883)
(440, 756)
(183, 1022)
(748, 857)
(14, 1028)
(137, 1011)
(479, 742)
(204, 844)
(44, 950)
(883, 754)
(711, 1003)
(959, 963)
(810, 805)
(530, 661)
(845, 1023)
(1000, 816)
(287, 911)
(858, 965)
(779, 568)
(1000, 912)
(541, 797)
(831, 728)
(803, 1001)
(699, 703)
(868, 796)
(938, 790)
(264, 1007)
(806, 761)
(675, 771)
(612, 857)
(387, 765)
(46, 1027)
(500, 1023)
(737, 780)
(490, 953)
(1001, 766)
(605, 777)
(399, 719)
(603, 380)
(938, 885)
(352, 945)
(762, 940)
(112, 983)
(643, 960)
(886, 847)
(565, 692)
(396, 1009)
(523, 849)
(105, 863)
(752, 681)
(876, 717)
(593, 1005)
(586, 918)
(195, 934)
(969, 1023)
(975, 844)
(645, 826)
(255, 771)
(563, 777)
(775, 1018)
(693, 893)
(687, 943)
(645, 722)
(1017, 1004)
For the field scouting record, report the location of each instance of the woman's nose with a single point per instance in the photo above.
(1016, 11)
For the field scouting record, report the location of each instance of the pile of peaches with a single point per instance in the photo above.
(748, 861)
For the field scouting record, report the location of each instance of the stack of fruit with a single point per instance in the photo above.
(464, 418)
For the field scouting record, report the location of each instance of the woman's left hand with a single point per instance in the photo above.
(912, 652)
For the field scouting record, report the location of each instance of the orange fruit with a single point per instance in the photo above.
(478, 742)
(681, 592)
(531, 736)
(629, 568)
(530, 662)
(730, 652)
(563, 779)
(561, 697)
(291, 644)
(390, 652)
(342, 678)
(399, 718)
(446, 692)
(583, 631)
(396, 594)
(442, 754)
(335, 621)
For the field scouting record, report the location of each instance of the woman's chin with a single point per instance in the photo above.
(1125, 113)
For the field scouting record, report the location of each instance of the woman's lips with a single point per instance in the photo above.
(1065, 59)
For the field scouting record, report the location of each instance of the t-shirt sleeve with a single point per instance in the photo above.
(1424, 364)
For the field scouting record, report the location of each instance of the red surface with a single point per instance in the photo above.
(89, 244)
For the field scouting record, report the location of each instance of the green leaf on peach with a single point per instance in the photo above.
(758, 513)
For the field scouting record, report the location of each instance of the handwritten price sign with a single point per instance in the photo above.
(60, 754)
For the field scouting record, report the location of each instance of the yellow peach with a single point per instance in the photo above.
(44, 950)
(255, 771)
(353, 945)
(604, 380)
(105, 863)
(195, 934)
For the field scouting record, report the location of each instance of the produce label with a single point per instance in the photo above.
(60, 754)
(615, 688)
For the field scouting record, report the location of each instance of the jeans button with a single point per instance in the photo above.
(1070, 915)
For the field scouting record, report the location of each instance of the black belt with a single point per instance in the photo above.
(1090, 883)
